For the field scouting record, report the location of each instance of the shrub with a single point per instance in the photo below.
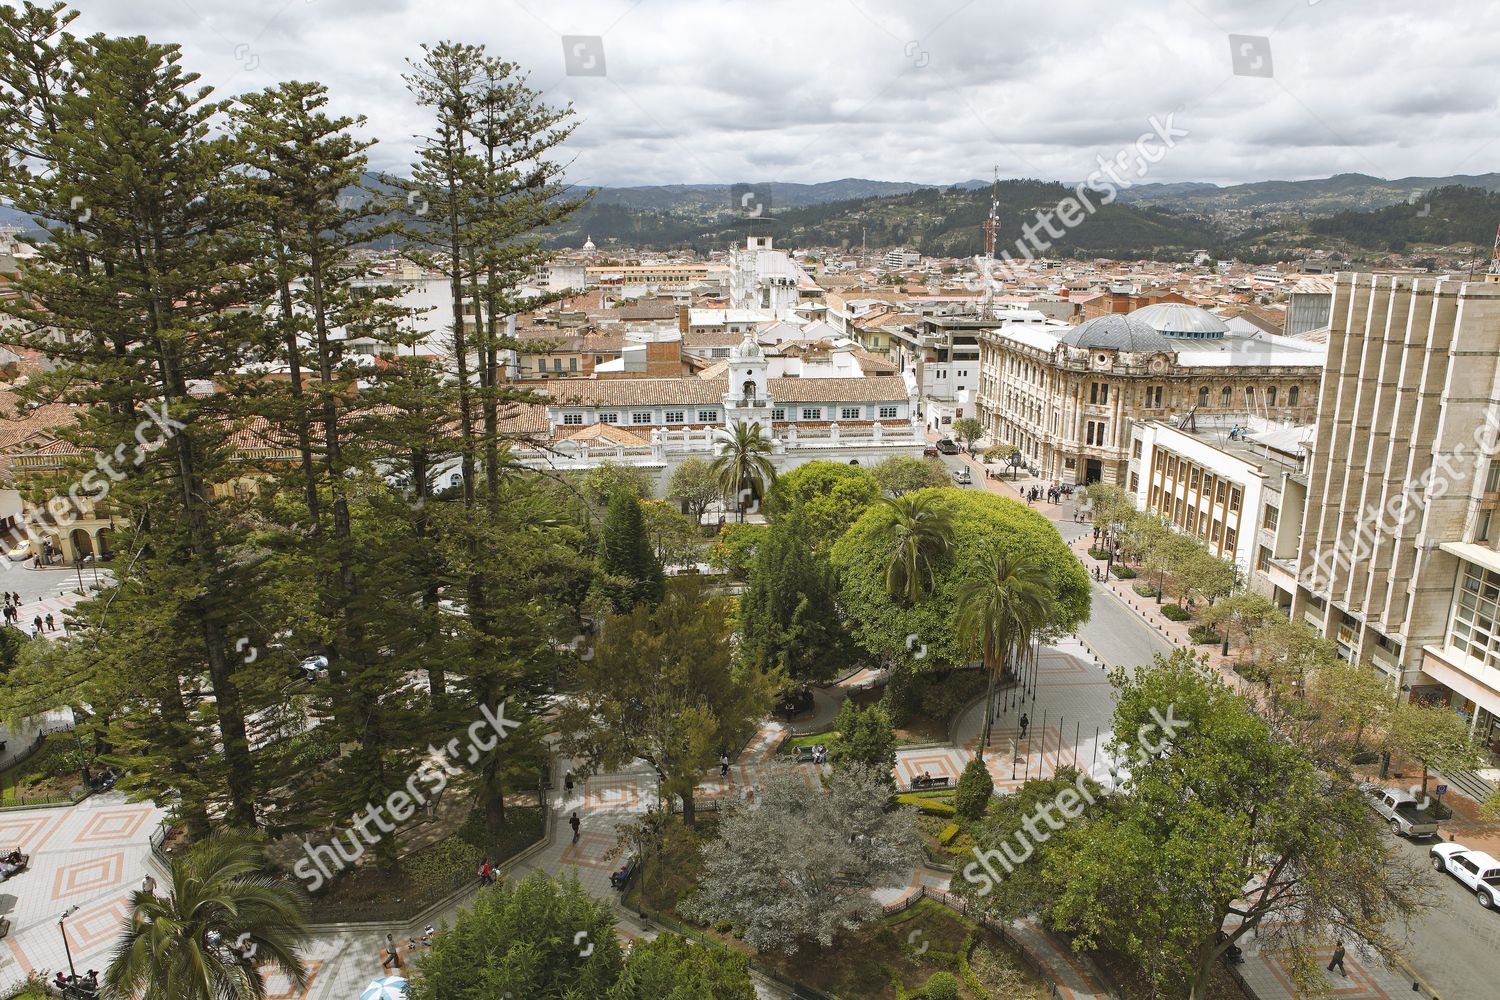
(947, 835)
(1144, 590)
(1098, 553)
(941, 986)
(1204, 634)
(932, 807)
(974, 790)
(1175, 612)
(1124, 572)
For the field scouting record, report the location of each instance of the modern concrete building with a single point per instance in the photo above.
(1397, 559)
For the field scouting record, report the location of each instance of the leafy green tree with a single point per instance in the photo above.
(866, 738)
(539, 937)
(675, 539)
(600, 484)
(742, 466)
(828, 496)
(968, 430)
(917, 534)
(902, 474)
(1002, 611)
(1434, 737)
(194, 942)
(632, 573)
(1204, 575)
(694, 487)
(1355, 701)
(1222, 818)
(663, 686)
(1244, 613)
(922, 634)
(788, 616)
(670, 967)
(975, 789)
(941, 985)
(734, 550)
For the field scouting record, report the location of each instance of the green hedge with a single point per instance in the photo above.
(932, 807)
(1144, 590)
(1205, 635)
(1098, 553)
(1124, 572)
(1176, 613)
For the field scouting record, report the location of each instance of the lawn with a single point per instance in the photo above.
(50, 773)
(431, 873)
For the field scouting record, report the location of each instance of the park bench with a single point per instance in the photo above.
(619, 880)
(924, 784)
(804, 755)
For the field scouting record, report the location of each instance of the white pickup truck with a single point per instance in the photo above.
(1474, 869)
(1402, 810)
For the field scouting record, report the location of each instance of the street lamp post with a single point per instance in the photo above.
(72, 972)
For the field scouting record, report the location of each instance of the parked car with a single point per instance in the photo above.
(962, 477)
(948, 446)
(1401, 810)
(1475, 870)
(23, 551)
(930, 451)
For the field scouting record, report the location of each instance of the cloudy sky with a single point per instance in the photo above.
(935, 91)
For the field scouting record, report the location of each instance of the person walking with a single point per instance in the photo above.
(51, 622)
(16, 599)
(1025, 724)
(723, 765)
(1338, 959)
(575, 824)
(486, 873)
(392, 954)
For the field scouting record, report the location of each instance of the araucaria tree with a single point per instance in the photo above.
(631, 573)
(789, 620)
(802, 862)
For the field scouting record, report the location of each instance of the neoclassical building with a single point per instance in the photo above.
(1068, 397)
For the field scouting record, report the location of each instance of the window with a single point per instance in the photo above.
(675, 416)
(779, 413)
(1226, 397)
(609, 418)
(1229, 538)
(1136, 449)
(1492, 478)
(641, 417)
(887, 413)
(708, 416)
(1482, 530)
(1135, 482)
(850, 413)
(1271, 396)
(1193, 480)
(572, 364)
(1153, 397)
(1203, 396)
(1263, 559)
(572, 419)
(557, 364)
(1273, 515)
(812, 413)
(1219, 493)
(1250, 396)
(1291, 396)
(1234, 498)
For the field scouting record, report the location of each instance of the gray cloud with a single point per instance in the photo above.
(715, 91)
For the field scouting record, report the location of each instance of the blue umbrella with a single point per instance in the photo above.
(385, 988)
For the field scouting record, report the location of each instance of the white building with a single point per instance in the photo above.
(762, 277)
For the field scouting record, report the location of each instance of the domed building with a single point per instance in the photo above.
(1068, 396)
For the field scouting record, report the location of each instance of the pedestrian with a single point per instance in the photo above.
(51, 623)
(568, 783)
(392, 954)
(1338, 959)
(723, 765)
(17, 599)
(37, 622)
(575, 824)
(1025, 722)
(486, 874)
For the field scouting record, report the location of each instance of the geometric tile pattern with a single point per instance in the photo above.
(90, 875)
(612, 794)
(591, 850)
(112, 826)
(1359, 985)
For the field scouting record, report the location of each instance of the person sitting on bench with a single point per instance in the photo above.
(618, 879)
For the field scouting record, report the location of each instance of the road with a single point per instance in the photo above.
(1453, 945)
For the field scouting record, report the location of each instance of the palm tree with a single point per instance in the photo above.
(742, 466)
(1002, 609)
(917, 534)
(221, 919)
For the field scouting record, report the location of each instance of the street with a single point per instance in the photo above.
(1453, 945)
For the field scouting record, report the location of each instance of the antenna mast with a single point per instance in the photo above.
(991, 230)
(1494, 272)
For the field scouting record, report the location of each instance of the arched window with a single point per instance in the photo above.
(1226, 397)
(1203, 395)
(1250, 396)
(1291, 396)
(747, 391)
(1271, 396)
